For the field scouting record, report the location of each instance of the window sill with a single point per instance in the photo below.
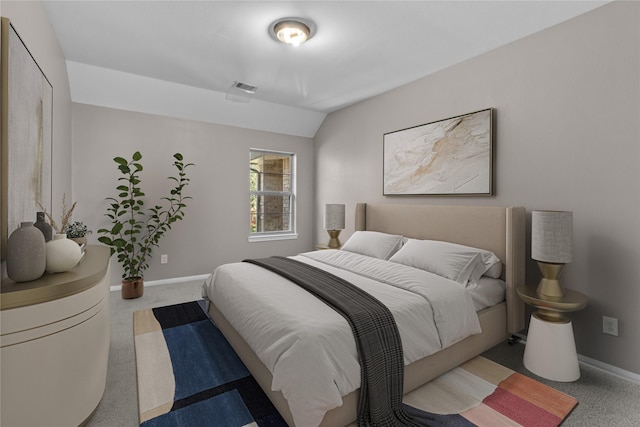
(271, 237)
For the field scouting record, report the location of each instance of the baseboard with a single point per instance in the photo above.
(610, 369)
(167, 281)
(605, 367)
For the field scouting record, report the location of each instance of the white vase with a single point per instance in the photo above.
(62, 254)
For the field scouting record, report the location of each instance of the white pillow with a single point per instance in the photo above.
(491, 266)
(441, 258)
(373, 244)
(451, 260)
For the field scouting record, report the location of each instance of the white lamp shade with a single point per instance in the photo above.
(552, 236)
(333, 217)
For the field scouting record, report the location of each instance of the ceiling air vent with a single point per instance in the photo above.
(245, 87)
(241, 92)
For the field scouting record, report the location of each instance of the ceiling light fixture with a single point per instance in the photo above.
(291, 31)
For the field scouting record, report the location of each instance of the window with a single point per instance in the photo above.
(272, 195)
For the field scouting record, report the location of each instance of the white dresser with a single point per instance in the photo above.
(54, 345)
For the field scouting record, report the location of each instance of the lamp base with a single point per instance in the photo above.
(334, 242)
(549, 285)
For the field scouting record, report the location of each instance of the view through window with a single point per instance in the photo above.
(271, 188)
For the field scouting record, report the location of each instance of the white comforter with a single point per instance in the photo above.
(309, 348)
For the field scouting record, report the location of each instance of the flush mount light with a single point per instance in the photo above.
(291, 31)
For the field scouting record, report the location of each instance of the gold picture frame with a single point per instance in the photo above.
(26, 139)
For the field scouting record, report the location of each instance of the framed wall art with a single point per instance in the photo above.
(450, 157)
(26, 114)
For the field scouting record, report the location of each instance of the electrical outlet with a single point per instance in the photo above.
(610, 325)
(164, 258)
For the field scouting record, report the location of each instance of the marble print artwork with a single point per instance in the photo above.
(28, 144)
(451, 156)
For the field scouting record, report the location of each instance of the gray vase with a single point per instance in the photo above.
(26, 253)
(42, 225)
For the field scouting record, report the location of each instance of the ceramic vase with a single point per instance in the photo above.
(62, 254)
(26, 254)
(42, 225)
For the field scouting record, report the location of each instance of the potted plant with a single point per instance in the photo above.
(77, 231)
(136, 230)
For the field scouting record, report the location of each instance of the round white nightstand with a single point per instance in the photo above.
(551, 350)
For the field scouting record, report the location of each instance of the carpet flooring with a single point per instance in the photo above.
(188, 375)
(605, 399)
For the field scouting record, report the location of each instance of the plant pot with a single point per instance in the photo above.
(133, 287)
(79, 240)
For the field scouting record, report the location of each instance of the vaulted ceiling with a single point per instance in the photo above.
(180, 58)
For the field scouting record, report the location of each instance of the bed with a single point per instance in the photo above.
(500, 230)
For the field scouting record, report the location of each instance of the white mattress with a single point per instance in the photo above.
(290, 330)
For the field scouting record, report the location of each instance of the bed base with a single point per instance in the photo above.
(492, 321)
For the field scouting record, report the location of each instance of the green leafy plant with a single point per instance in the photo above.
(135, 231)
(76, 229)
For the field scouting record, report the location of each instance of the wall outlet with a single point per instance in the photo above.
(164, 258)
(610, 325)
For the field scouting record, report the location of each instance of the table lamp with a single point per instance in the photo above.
(551, 247)
(334, 223)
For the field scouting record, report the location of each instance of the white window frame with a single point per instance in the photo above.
(262, 236)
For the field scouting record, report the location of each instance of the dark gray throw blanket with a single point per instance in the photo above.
(376, 335)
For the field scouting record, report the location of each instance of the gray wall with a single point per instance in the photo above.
(32, 24)
(567, 102)
(216, 224)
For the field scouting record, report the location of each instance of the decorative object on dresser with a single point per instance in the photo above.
(43, 226)
(77, 231)
(448, 157)
(26, 116)
(62, 254)
(334, 224)
(67, 212)
(26, 254)
(134, 231)
(551, 351)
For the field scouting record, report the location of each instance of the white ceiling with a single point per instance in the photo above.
(138, 55)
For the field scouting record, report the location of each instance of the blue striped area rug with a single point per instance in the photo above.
(188, 374)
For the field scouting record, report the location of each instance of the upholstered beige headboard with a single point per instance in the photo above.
(496, 228)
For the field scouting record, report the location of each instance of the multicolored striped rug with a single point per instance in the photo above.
(188, 375)
(484, 393)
